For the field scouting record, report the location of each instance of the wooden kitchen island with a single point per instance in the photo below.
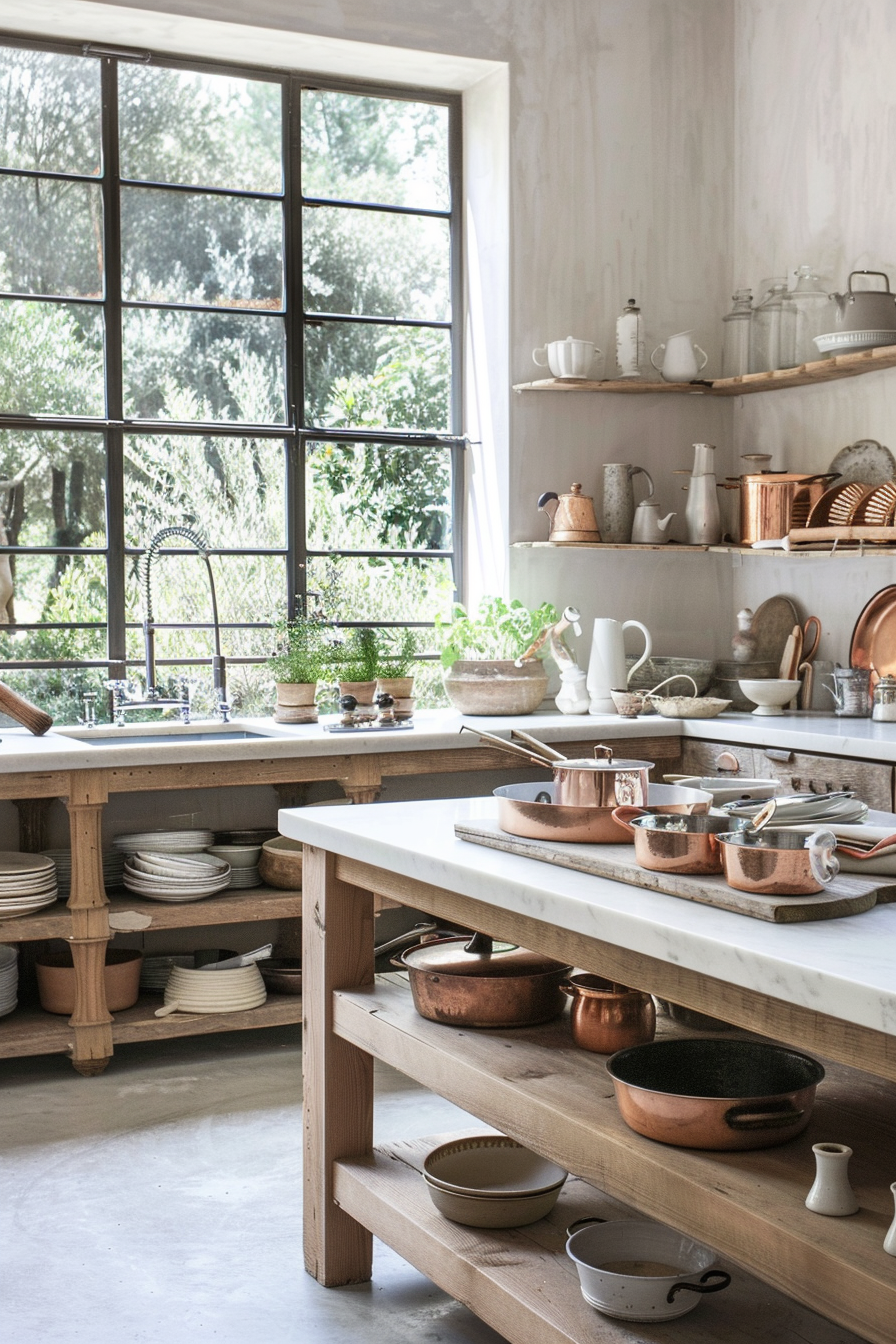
(829, 988)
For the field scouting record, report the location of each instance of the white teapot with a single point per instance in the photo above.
(649, 529)
(679, 359)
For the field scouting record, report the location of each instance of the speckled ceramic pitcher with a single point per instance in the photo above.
(619, 501)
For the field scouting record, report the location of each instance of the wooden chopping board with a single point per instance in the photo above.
(772, 626)
(844, 896)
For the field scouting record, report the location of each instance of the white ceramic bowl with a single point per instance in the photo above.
(641, 1295)
(491, 1165)
(485, 1211)
(238, 856)
(769, 694)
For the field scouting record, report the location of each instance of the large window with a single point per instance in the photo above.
(226, 302)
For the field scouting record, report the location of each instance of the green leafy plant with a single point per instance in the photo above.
(499, 630)
(399, 649)
(358, 658)
(303, 648)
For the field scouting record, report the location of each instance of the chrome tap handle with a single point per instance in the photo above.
(120, 692)
(185, 684)
(88, 700)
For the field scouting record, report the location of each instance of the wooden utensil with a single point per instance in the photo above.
(22, 710)
(792, 655)
(811, 637)
(807, 676)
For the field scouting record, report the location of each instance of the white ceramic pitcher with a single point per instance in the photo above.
(679, 358)
(606, 667)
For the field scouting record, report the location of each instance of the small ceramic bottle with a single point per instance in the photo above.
(890, 1238)
(630, 341)
(832, 1193)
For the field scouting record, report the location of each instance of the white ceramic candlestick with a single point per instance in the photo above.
(832, 1193)
(890, 1238)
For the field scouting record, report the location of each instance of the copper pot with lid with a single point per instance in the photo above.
(477, 982)
(772, 502)
(581, 782)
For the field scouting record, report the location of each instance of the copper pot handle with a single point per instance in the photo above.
(625, 814)
(704, 1286)
(746, 1116)
(603, 753)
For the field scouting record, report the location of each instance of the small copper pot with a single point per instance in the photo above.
(607, 1016)
(777, 862)
(665, 844)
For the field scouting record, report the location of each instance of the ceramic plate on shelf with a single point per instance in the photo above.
(844, 342)
(867, 461)
(873, 643)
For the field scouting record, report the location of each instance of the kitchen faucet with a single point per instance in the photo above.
(121, 699)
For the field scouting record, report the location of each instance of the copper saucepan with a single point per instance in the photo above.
(607, 1016)
(777, 862)
(530, 810)
(715, 1094)
(669, 844)
(601, 782)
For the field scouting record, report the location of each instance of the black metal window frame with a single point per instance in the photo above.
(295, 434)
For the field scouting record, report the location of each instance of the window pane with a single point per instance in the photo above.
(53, 491)
(249, 588)
(178, 247)
(382, 150)
(199, 129)
(56, 588)
(362, 375)
(50, 107)
(51, 358)
(376, 265)
(356, 589)
(203, 366)
(231, 490)
(52, 235)
(366, 497)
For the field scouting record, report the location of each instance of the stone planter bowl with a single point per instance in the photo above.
(280, 864)
(480, 686)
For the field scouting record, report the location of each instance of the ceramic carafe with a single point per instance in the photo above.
(606, 666)
(680, 363)
(619, 501)
(702, 515)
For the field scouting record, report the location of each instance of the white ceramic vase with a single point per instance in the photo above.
(831, 1193)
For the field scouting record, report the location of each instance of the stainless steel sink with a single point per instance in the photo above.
(125, 739)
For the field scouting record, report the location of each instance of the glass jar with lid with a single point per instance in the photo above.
(884, 709)
(812, 314)
(765, 328)
(736, 335)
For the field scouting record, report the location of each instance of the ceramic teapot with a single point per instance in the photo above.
(572, 516)
(679, 359)
(867, 309)
(649, 529)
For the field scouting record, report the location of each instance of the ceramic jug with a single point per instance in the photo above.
(567, 359)
(680, 363)
(702, 515)
(619, 501)
(606, 666)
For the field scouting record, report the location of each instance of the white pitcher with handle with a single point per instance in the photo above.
(606, 667)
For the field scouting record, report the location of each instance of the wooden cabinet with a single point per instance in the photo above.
(798, 771)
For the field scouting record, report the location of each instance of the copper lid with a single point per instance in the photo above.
(477, 956)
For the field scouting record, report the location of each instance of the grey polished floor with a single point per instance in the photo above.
(161, 1203)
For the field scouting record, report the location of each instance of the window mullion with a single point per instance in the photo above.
(296, 534)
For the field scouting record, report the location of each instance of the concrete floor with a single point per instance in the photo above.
(161, 1203)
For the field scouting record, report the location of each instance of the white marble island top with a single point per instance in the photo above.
(842, 967)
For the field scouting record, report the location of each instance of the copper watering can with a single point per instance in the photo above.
(572, 516)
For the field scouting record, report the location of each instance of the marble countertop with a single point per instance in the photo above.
(843, 967)
(168, 743)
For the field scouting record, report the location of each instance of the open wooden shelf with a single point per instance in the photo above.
(818, 550)
(523, 1278)
(818, 371)
(30, 1031)
(535, 1085)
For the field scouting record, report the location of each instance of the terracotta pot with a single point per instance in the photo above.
(292, 694)
(280, 863)
(400, 688)
(363, 691)
(56, 980)
(480, 686)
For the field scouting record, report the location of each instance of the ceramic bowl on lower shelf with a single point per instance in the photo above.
(769, 694)
(280, 863)
(56, 980)
(482, 1211)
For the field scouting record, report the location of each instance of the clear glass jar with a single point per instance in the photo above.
(736, 335)
(813, 314)
(765, 328)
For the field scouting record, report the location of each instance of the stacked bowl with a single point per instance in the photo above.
(9, 979)
(233, 991)
(243, 860)
(27, 882)
(156, 970)
(113, 868)
(491, 1181)
(175, 877)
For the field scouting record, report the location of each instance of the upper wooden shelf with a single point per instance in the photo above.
(819, 371)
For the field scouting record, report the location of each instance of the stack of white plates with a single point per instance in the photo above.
(243, 859)
(792, 809)
(9, 979)
(245, 877)
(175, 877)
(113, 868)
(215, 991)
(27, 882)
(164, 842)
(156, 970)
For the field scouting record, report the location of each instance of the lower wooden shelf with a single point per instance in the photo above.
(31, 1031)
(522, 1282)
(750, 1205)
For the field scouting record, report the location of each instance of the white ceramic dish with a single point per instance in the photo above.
(807, 807)
(500, 1211)
(844, 341)
(769, 694)
(727, 788)
(491, 1164)
(238, 856)
(690, 706)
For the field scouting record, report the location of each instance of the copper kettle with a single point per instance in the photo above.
(572, 516)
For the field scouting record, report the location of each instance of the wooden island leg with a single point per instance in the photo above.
(90, 925)
(338, 1077)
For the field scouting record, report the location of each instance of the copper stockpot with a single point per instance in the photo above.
(665, 844)
(607, 1016)
(777, 862)
(473, 982)
(716, 1094)
(603, 782)
(529, 810)
(772, 502)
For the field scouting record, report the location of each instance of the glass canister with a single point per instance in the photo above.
(811, 311)
(765, 328)
(884, 708)
(736, 335)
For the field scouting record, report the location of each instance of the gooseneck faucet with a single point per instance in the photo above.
(154, 698)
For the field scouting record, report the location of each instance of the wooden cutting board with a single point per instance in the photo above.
(845, 895)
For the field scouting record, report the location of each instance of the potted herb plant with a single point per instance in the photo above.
(479, 655)
(399, 649)
(357, 663)
(298, 664)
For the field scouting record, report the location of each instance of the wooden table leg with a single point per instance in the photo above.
(338, 1077)
(364, 781)
(90, 934)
